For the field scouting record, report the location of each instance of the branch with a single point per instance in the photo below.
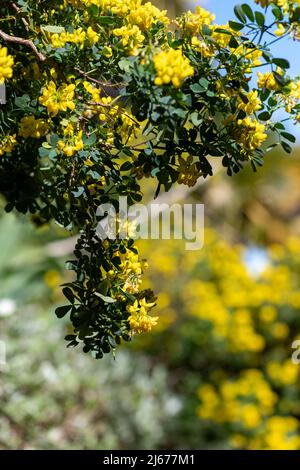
(18, 11)
(24, 42)
(98, 82)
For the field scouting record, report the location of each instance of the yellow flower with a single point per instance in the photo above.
(144, 16)
(71, 144)
(107, 51)
(6, 65)
(188, 172)
(202, 47)
(254, 103)
(171, 67)
(267, 80)
(194, 22)
(31, 127)
(251, 134)
(131, 38)
(92, 36)
(285, 373)
(7, 143)
(60, 99)
(139, 320)
(280, 31)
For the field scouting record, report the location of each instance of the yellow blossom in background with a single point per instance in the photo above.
(31, 127)
(171, 67)
(6, 64)
(7, 143)
(283, 373)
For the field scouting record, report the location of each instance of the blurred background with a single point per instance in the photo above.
(217, 371)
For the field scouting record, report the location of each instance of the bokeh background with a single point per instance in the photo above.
(215, 374)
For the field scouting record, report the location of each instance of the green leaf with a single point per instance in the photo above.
(68, 293)
(105, 298)
(265, 116)
(106, 20)
(260, 18)
(196, 88)
(248, 11)
(52, 29)
(236, 26)
(277, 13)
(238, 10)
(286, 147)
(89, 141)
(283, 63)
(60, 312)
(204, 83)
(288, 136)
(43, 152)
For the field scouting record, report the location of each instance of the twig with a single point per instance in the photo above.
(24, 42)
(99, 82)
(18, 10)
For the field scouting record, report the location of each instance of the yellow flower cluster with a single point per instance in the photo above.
(286, 5)
(254, 103)
(78, 36)
(108, 113)
(144, 16)
(188, 172)
(131, 38)
(251, 57)
(267, 80)
(292, 98)
(7, 143)
(223, 39)
(279, 432)
(58, 99)
(129, 271)
(72, 141)
(6, 64)
(31, 127)
(244, 401)
(283, 374)
(172, 67)
(194, 22)
(249, 321)
(251, 134)
(140, 321)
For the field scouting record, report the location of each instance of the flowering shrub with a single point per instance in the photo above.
(104, 92)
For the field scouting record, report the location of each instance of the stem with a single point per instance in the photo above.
(24, 42)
